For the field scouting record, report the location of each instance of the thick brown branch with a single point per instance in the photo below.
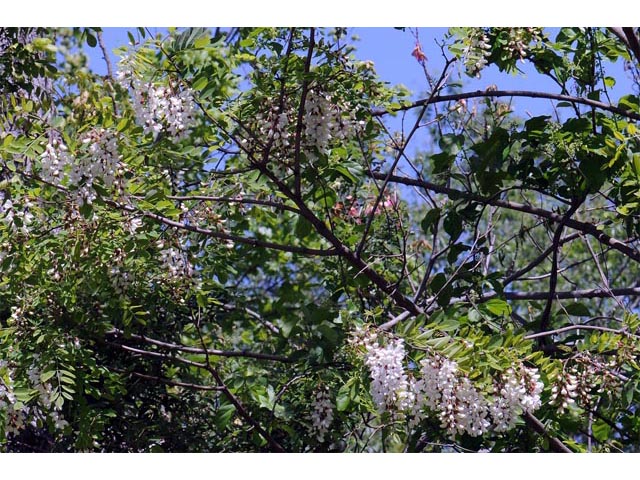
(553, 279)
(629, 38)
(514, 93)
(584, 227)
(634, 44)
(555, 443)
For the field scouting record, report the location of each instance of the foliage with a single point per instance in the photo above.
(226, 244)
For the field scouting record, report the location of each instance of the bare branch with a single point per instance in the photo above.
(577, 327)
(554, 442)
(553, 280)
(219, 353)
(514, 93)
(584, 227)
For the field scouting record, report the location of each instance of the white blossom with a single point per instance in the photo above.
(564, 391)
(176, 263)
(102, 161)
(324, 122)
(390, 387)
(517, 392)
(157, 108)
(463, 408)
(322, 414)
(15, 216)
(17, 415)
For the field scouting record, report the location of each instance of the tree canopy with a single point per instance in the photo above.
(243, 240)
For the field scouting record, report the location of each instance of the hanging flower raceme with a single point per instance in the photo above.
(101, 161)
(322, 413)
(514, 394)
(15, 216)
(476, 52)
(158, 108)
(460, 406)
(17, 415)
(390, 386)
(324, 122)
(175, 263)
(440, 387)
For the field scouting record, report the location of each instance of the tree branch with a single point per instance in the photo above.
(182, 348)
(553, 280)
(301, 107)
(584, 227)
(576, 327)
(554, 442)
(513, 93)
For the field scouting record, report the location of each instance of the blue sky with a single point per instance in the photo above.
(390, 50)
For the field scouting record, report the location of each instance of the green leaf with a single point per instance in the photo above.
(577, 309)
(601, 430)
(430, 220)
(494, 342)
(329, 333)
(343, 398)
(288, 325)
(497, 306)
(200, 84)
(453, 225)
(630, 102)
(91, 40)
(303, 228)
(47, 375)
(449, 325)
(202, 42)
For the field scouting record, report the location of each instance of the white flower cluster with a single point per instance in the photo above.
(587, 374)
(176, 264)
(103, 162)
(517, 393)
(158, 108)
(273, 127)
(45, 394)
(443, 389)
(460, 406)
(476, 51)
(120, 278)
(53, 161)
(16, 218)
(322, 414)
(390, 386)
(58, 167)
(324, 122)
(17, 415)
(520, 39)
(463, 409)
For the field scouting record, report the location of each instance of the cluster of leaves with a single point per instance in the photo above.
(206, 296)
